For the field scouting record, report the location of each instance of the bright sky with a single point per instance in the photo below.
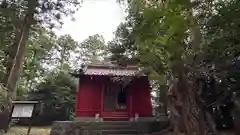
(94, 17)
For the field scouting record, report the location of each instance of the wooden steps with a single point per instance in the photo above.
(115, 116)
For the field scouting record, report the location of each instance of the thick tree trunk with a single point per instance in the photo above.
(190, 118)
(163, 98)
(236, 115)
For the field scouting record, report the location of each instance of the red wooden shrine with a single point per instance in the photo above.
(102, 92)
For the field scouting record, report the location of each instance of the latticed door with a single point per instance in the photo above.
(110, 98)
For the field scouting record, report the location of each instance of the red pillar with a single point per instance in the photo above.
(130, 103)
(77, 94)
(102, 99)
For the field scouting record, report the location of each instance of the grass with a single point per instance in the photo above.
(34, 131)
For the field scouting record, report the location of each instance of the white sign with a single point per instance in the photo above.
(22, 110)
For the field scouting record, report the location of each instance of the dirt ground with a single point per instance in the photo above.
(34, 131)
(46, 130)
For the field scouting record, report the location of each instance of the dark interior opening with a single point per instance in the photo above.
(122, 98)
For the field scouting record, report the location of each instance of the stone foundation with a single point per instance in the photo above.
(87, 119)
(99, 119)
(66, 128)
(105, 128)
(148, 119)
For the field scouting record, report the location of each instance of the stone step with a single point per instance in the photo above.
(115, 118)
(115, 114)
(122, 134)
(118, 123)
(125, 131)
(117, 126)
(111, 125)
(108, 128)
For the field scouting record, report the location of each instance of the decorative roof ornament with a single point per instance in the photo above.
(83, 68)
(122, 80)
(117, 79)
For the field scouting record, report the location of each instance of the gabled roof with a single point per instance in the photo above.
(109, 70)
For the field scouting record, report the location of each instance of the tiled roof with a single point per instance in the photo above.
(106, 71)
(110, 69)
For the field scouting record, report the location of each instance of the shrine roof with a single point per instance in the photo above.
(109, 70)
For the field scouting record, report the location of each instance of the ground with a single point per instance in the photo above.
(219, 133)
(46, 130)
(34, 131)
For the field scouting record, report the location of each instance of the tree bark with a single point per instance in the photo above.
(236, 115)
(192, 120)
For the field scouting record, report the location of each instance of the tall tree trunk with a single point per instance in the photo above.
(236, 114)
(16, 58)
(163, 97)
(17, 53)
(63, 51)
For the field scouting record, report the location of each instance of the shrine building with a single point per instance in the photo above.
(112, 93)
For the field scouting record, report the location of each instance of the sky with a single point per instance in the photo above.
(94, 17)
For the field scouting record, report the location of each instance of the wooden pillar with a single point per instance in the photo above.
(102, 97)
(77, 97)
(130, 103)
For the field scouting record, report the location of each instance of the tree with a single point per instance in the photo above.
(223, 52)
(26, 31)
(32, 12)
(93, 49)
(122, 48)
(170, 48)
(39, 44)
(16, 53)
(57, 92)
(64, 47)
(201, 46)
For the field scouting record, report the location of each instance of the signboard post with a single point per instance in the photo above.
(23, 110)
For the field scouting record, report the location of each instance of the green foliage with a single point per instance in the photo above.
(93, 49)
(4, 100)
(63, 48)
(57, 92)
(194, 38)
(46, 57)
(222, 33)
(122, 46)
(49, 13)
(160, 38)
(39, 44)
